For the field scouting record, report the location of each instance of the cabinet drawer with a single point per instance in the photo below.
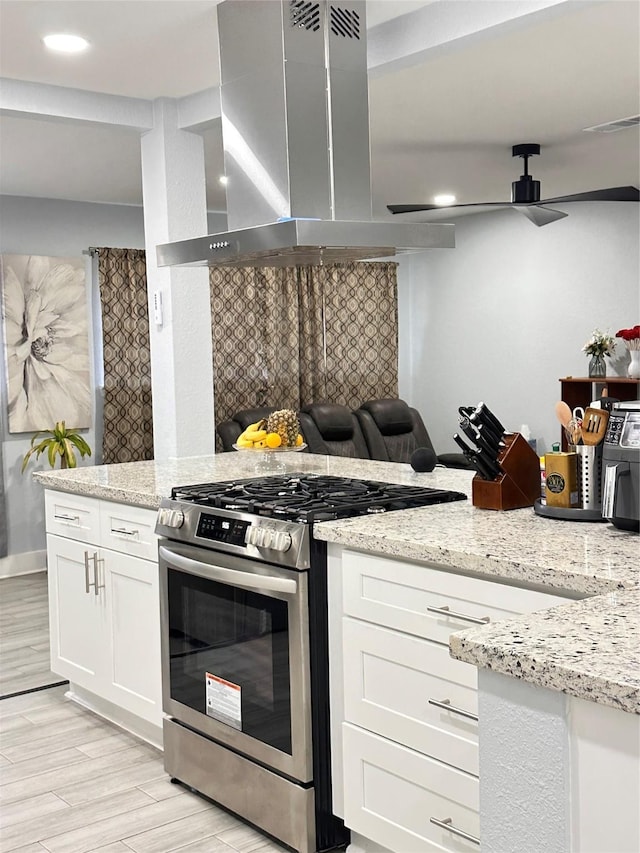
(72, 516)
(399, 594)
(389, 679)
(128, 529)
(392, 792)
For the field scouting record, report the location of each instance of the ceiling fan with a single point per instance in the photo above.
(525, 195)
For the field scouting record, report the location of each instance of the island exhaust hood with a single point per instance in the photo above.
(295, 130)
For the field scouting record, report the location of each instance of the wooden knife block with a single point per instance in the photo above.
(519, 484)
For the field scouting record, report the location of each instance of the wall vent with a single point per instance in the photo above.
(345, 23)
(305, 15)
(613, 126)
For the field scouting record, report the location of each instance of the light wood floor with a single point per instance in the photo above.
(71, 782)
(24, 634)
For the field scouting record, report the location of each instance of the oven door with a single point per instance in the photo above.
(235, 654)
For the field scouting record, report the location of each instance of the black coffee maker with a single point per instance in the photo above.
(621, 467)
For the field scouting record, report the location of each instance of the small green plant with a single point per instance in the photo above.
(60, 442)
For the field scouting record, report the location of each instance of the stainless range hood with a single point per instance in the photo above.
(295, 130)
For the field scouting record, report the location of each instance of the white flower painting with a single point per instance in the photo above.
(44, 308)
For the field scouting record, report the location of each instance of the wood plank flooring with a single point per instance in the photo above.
(24, 634)
(71, 782)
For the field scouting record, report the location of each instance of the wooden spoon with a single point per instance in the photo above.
(563, 413)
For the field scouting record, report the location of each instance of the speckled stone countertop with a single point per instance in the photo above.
(589, 648)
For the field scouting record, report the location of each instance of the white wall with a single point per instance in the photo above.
(503, 316)
(30, 226)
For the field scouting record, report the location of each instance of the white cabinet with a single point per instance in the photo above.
(404, 713)
(104, 603)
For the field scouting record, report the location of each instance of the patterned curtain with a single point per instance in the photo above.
(287, 337)
(128, 418)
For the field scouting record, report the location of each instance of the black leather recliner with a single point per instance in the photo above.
(333, 430)
(393, 431)
(230, 430)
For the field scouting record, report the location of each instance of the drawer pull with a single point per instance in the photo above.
(448, 825)
(122, 531)
(98, 561)
(69, 519)
(446, 705)
(87, 585)
(445, 611)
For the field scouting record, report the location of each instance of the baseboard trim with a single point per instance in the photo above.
(33, 690)
(27, 563)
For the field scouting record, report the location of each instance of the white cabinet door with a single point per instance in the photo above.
(77, 616)
(133, 654)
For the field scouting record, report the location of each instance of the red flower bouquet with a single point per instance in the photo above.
(631, 337)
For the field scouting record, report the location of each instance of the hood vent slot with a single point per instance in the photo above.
(306, 15)
(345, 23)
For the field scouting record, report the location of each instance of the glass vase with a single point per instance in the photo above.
(597, 366)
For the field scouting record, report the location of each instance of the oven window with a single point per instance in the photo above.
(229, 656)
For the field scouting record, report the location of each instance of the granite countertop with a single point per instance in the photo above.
(589, 648)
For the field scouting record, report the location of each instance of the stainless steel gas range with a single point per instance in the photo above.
(245, 664)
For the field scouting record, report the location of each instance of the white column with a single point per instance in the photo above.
(173, 185)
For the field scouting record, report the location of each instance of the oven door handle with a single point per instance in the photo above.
(231, 577)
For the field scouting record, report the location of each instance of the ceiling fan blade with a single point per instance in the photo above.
(539, 215)
(416, 208)
(609, 194)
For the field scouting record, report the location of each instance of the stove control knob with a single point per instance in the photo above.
(281, 541)
(170, 517)
(257, 536)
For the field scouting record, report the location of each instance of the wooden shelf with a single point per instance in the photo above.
(581, 390)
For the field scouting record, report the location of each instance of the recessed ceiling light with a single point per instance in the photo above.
(65, 43)
(444, 199)
(224, 180)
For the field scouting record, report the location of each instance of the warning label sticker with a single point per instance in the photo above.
(224, 700)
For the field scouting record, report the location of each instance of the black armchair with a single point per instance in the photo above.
(393, 431)
(230, 430)
(333, 430)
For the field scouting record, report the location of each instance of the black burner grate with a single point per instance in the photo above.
(307, 497)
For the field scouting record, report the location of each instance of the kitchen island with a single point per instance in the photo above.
(584, 651)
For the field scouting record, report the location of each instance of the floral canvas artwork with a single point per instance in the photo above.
(44, 309)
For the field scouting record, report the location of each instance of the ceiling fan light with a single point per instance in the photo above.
(444, 199)
(65, 43)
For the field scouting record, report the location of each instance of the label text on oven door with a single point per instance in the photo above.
(224, 700)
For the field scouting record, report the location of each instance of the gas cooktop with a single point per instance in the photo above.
(307, 498)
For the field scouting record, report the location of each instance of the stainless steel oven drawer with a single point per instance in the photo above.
(271, 802)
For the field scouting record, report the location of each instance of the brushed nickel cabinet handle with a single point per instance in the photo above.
(446, 611)
(446, 705)
(122, 531)
(447, 824)
(97, 560)
(87, 585)
(71, 519)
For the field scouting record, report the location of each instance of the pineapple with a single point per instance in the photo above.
(285, 422)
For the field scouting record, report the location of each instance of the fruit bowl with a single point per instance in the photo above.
(298, 447)
(268, 461)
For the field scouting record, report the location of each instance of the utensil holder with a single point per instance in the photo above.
(519, 484)
(589, 476)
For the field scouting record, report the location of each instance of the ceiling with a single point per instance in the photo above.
(443, 118)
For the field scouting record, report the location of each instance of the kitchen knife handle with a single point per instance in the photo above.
(487, 445)
(491, 417)
(484, 467)
(486, 427)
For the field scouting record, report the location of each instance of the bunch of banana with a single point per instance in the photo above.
(281, 429)
(254, 436)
